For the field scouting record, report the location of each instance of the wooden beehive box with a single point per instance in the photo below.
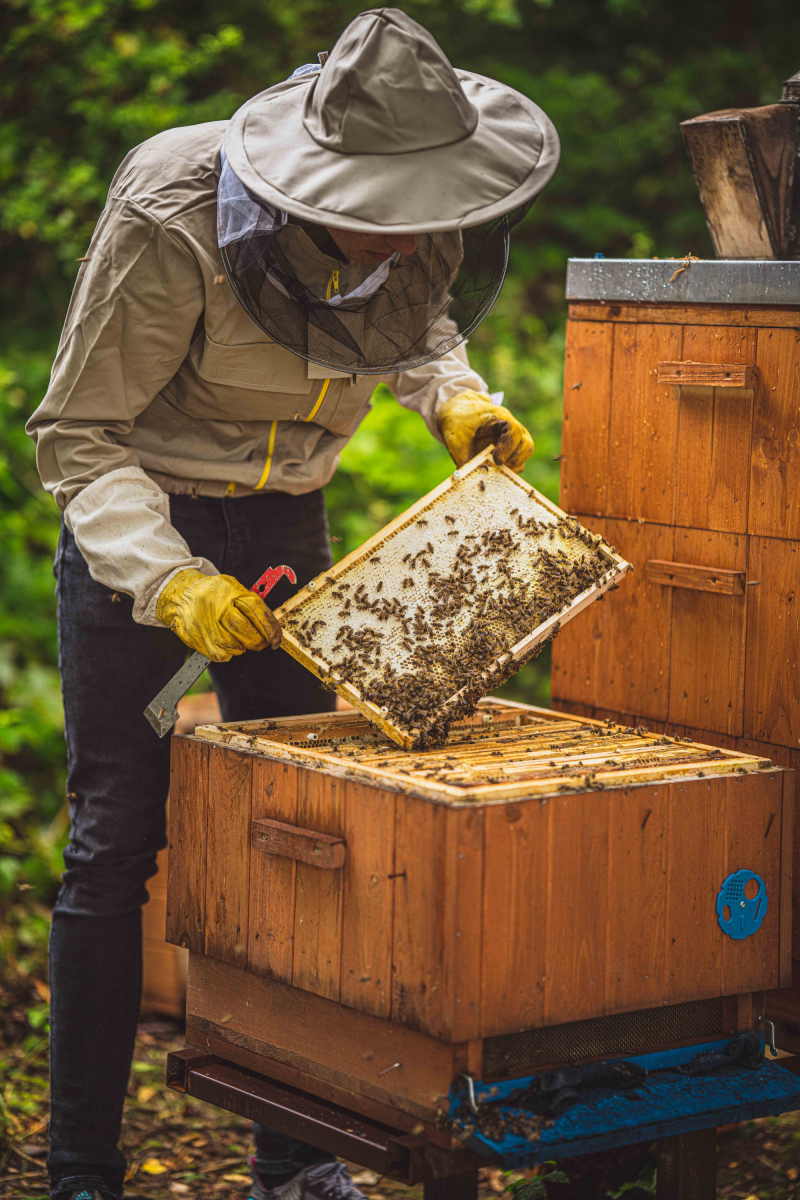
(351, 906)
(680, 446)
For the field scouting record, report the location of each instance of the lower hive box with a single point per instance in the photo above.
(368, 923)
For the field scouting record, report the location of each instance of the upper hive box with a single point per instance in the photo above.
(536, 870)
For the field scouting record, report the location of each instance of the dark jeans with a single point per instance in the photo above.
(118, 777)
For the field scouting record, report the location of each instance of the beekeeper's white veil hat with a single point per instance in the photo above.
(389, 137)
(386, 138)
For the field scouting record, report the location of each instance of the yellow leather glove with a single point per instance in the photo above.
(216, 615)
(469, 422)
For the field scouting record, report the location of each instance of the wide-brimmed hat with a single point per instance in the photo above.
(389, 138)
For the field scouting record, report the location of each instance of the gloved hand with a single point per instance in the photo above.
(469, 422)
(216, 615)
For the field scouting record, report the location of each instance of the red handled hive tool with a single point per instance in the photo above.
(162, 711)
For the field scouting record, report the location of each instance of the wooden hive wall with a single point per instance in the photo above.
(705, 476)
(695, 475)
(478, 921)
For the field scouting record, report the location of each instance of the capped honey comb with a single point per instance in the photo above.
(448, 601)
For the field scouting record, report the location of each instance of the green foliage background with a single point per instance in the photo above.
(82, 81)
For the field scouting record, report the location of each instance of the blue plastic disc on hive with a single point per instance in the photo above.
(746, 913)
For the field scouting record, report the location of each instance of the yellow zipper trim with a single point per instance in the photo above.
(268, 463)
(333, 283)
(320, 398)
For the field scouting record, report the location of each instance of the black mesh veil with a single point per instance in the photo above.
(367, 319)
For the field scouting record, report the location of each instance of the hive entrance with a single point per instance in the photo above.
(447, 601)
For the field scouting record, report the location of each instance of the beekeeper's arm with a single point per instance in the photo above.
(455, 404)
(130, 323)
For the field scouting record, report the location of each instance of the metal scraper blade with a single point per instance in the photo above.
(162, 711)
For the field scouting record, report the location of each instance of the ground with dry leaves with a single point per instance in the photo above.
(179, 1147)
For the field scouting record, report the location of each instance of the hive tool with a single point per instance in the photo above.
(162, 711)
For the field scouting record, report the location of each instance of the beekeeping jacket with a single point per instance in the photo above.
(165, 384)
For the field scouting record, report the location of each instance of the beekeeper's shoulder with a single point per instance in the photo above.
(174, 175)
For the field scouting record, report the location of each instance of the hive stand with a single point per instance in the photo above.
(681, 445)
(686, 1163)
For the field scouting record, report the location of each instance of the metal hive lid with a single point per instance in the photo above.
(447, 601)
(504, 752)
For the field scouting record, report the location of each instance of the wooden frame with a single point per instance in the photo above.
(391, 768)
(519, 653)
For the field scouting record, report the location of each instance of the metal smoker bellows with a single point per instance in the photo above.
(454, 596)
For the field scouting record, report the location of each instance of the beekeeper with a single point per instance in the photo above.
(248, 285)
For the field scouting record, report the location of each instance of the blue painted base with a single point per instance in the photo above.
(666, 1104)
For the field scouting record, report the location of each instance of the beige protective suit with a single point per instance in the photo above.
(164, 385)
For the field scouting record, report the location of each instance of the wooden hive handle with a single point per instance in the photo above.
(303, 845)
(716, 375)
(699, 579)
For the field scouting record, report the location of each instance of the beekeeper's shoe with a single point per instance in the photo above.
(322, 1181)
(330, 1181)
(96, 1194)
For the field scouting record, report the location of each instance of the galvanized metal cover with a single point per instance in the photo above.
(704, 281)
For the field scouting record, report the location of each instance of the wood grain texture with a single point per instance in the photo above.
(319, 895)
(637, 969)
(272, 879)
(256, 1055)
(772, 686)
(784, 317)
(188, 818)
(514, 899)
(632, 653)
(707, 651)
(320, 1037)
(436, 947)
(715, 428)
(713, 374)
(695, 836)
(753, 807)
(703, 737)
(616, 655)
(463, 926)
(587, 412)
(699, 579)
(228, 857)
(318, 850)
(738, 1012)
(743, 161)
(774, 509)
(783, 1007)
(789, 889)
(368, 899)
(644, 424)
(577, 652)
(419, 944)
(577, 909)
(782, 756)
